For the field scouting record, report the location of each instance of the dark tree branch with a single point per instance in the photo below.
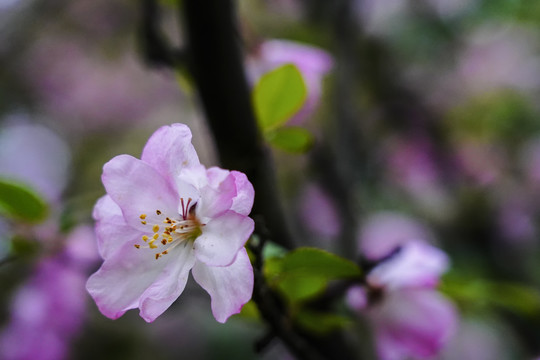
(216, 63)
(155, 47)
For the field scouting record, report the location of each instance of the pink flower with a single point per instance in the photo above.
(47, 311)
(319, 213)
(409, 317)
(312, 62)
(163, 216)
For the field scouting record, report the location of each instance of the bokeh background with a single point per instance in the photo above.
(425, 117)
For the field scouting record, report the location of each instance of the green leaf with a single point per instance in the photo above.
(278, 95)
(20, 202)
(305, 272)
(321, 323)
(292, 139)
(478, 293)
(318, 262)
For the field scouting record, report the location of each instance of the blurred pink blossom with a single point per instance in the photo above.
(499, 56)
(383, 232)
(48, 310)
(318, 212)
(312, 62)
(409, 317)
(91, 92)
(34, 155)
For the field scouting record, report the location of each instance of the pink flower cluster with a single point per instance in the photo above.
(409, 317)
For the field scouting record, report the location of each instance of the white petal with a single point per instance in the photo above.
(169, 150)
(229, 287)
(170, 283)
(112, 232)
(138, 189)
(222, 238)
(117, 286)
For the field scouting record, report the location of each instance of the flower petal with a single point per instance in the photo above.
(170, 283)
(230, 287)
(169, 150)
(138, 189)
(118, 285)
(216, 197)
(222, 238)
(416, 265)
(111, 229)
(245, 194)
(413, 323)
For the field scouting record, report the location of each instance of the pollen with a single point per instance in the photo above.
(155, 236)
(155, 228)
(143, 216)
(137, 246)
(143, 222)
(164, 241)
(145, 238)
(158, 212)
(152, 245)
(158, 255)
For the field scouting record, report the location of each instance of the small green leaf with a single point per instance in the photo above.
(305, 272)
(278, 95)
(292, 139)
(20, 202)
(321, 323)
(319, 262)
(514, 297)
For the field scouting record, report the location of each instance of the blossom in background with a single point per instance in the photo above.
(312, 62)
(72, 79)
(42, 163)
(163, 216)
(409, 317)
(384, 231)
(319, 213)
(48, 310)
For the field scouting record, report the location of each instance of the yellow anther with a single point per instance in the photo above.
(170, 239)
(143, 216)
(164, 241)
(155, 236)
(152, 245)
(165, 252)
(155, 228)
(137, 246)
(157, 256)
(143, 222)
(145, 238)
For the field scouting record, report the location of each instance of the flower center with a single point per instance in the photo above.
(172, 231)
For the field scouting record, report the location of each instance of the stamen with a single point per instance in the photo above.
(155, 236)
(155, 228)
(137, 246)
(164, 241)
(145, 238)
(158, 212)
(143, 222)
(143, 216)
